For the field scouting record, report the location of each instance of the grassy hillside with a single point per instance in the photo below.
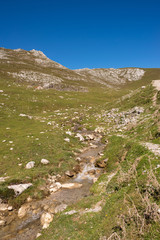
(34, 125)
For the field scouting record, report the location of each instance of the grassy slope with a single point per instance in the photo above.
(132, 196)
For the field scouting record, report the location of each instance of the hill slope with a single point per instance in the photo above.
(106, 138)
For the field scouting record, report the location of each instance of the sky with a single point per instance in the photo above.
(85, 33)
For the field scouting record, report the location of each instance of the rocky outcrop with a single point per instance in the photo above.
(112, 76)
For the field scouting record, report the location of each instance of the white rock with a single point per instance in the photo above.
(69, 133)
(2, 222)
(1, 91)
(81, 138)
(67, 139)
(30, 165)
(46, 219)
(19, 188)
(55, 187)
(38, 235)
(3, 207)
(10, 208)
(44, 161)
(22, 211)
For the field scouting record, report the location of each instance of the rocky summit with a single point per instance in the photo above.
(34, 68)
(80, 150)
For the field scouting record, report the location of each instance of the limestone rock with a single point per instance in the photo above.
(22, 211)
(30, 165)
(69, 173)
(55, 187)
(46, 219)
(2, 222)
(3, 207)
(44, 161)
(19, 188)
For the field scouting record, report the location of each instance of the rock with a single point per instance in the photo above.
(55, 187)
(69, 173)
(2, 222)
(60, 208)
(44, 161)
(71, 185)
(3, 207)
(69, 133)
(158, 210)
(38, 235)
(101, 164)
(70, 212)
(67, 139)
(46, 219)
(81, 138)
(19, 188)
(90, 137)
(22, 211)
(30, 165)
(10, 208)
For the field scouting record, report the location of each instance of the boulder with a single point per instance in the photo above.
(30, 165)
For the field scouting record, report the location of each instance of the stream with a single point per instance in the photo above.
(27, 227)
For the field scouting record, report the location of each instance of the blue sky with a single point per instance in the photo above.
(86, 33)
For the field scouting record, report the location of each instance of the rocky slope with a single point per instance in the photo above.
(36, 69)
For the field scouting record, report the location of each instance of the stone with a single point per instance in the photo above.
(2, 222)
(38, 235)
(60, 208)
(67, 140)
(19, 188)
(22, 211)
(46, 219)
(90, 137)
(81, 138)
(69, 173)
(101, 164)
(30, 165)
(55, 187)
(10, 208)
(44, 161)
(71, 185)
(3, 207)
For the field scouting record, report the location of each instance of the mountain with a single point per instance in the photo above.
(35, 69)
